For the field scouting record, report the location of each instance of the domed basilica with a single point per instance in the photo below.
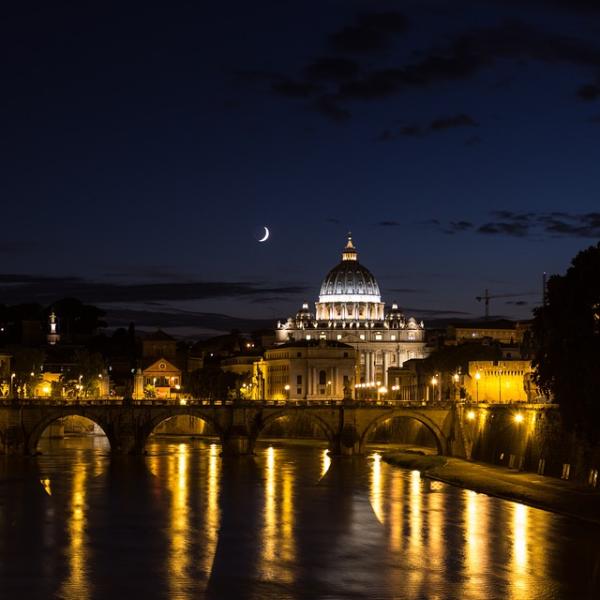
(350, 310)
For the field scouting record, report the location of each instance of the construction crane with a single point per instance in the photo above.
(486, 298)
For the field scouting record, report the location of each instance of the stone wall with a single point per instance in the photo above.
(528, 438)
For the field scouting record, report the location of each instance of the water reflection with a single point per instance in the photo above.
(77, 585)
(277, 536)
(212, 513)
(292, 522)
(179, 555)
(325, 462)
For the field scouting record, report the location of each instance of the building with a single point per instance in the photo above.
(160, 373)
(501, 381)
(350, 310)
(502, 331)
(305, 370)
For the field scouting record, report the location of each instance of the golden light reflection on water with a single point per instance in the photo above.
(413, 511)
(476, 522)
(376, 488)
(212, 513)
(77, 584)
(278, 544)
(325, 462)
(179, 556)
(519, 562)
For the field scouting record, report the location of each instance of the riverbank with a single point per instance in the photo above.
(555, 495)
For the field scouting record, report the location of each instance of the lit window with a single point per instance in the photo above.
(339, 337)
(393, 338)
(308, 337)
(378, 336)
(362, 336)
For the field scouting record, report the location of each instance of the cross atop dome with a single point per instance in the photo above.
(349, 251)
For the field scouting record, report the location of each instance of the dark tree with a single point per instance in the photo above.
(213, 383)
(566, 344)
(449, 358)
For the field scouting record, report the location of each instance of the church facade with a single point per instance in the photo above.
(350, 310)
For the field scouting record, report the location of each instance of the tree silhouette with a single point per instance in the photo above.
(566, 344)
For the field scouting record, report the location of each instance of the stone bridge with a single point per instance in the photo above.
(128, 426)
(346, 426)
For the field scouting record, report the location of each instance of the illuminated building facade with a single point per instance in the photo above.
(305, 370)
(502, 381)
(350, 310)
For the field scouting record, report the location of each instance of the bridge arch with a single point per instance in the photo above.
(38, 430)
(441, 441)
(264, 421)
(166, 415)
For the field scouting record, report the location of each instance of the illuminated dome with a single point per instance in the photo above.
(349, 281)
(349, 292)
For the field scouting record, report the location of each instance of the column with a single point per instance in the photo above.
(385, 368)
(373, 367)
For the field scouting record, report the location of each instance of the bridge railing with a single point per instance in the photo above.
(210, 402)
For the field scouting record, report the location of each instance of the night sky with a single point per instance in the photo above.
(143, 148)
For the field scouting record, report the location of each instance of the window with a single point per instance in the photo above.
(378, 337)
(308, 337)
(298, 379)
(362, 336)
(299, 390)
(339, 336)
(322, 377)
(298, 354)
(345, 355)
(393, 338)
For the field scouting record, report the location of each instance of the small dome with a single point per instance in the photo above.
(349, 281)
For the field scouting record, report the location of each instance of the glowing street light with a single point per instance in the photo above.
(518, 418)
(286, 387)
(477, 378)
(434, 382)
(471, 415)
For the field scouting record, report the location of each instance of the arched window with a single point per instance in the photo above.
(322, 377)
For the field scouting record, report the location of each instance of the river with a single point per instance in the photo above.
(183, 522)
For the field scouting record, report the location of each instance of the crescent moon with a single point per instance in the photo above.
(266, 236)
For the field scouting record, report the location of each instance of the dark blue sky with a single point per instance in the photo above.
(141, 149)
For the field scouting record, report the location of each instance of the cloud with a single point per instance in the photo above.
(517, 302)
(523, 224)
(461, 59)
(16, 288)
(458, 226)
(433, 312)
(435, 126)
(514, 229)
(460, 120)
(328, 107)
(118, 317)
(331, 69)
(371, 32)
(389, 224)
(332, 220)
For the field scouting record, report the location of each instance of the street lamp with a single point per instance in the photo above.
(477, 378)
(286, 387)
(434, 382)
(455, 379)
(12, 384)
